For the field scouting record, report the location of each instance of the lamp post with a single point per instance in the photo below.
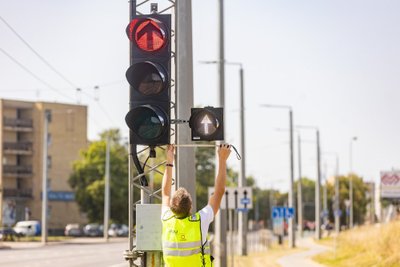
(242, 242)
(291, 231)
(352, 140)
(317, 184)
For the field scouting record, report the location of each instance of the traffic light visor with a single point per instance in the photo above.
(147, 78)
(147, 122)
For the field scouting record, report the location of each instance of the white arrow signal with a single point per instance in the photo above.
(206, 121)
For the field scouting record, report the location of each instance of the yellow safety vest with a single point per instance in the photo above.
(182, 242)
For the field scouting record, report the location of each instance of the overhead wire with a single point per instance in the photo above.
(53, 69)
(34, 75)
(36, 53)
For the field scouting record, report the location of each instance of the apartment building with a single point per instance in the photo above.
(21, 154)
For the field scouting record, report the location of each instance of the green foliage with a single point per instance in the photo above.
(308, 198)
(87, 179)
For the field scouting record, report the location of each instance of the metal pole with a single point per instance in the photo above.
(299, 192)
(220, 219)
(291, 195)
(44, 179)
(337, 217)
(131, 214)
(325, 198)
(107, 190)
(242, 242)
(317, 193)
(186, 175)
(351, 182)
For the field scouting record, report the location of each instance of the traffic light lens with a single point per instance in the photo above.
(146, 77)
(205, 123)
(149, 34)
(147, 122)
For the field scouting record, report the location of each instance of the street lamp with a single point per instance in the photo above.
(291, 196)
(317, 184)
(242, 175)
(352, 140)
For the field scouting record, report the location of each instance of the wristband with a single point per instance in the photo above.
(169, 165)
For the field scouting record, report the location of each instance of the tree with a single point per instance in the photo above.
(87, 178)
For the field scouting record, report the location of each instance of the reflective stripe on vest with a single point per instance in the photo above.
(182, 242)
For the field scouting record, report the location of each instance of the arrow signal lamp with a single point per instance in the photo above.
(149, 78)
(207, 124)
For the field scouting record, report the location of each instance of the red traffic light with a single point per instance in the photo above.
(149, 34)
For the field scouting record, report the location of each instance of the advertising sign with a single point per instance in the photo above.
(390, 184)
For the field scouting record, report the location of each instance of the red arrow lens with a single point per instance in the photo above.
(149, 34)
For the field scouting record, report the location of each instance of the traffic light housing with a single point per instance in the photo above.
(207, 124)
(149, 78)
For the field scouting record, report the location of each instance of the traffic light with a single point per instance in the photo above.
(149, 79)
(207, 124)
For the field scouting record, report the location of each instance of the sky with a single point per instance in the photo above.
(335, 62)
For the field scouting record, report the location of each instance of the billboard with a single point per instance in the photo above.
(390, 184)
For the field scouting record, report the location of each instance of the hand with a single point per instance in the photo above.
(170, 153)
(224, 151)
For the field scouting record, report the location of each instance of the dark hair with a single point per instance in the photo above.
(181, 203)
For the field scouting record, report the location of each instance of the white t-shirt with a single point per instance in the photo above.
(206, 217)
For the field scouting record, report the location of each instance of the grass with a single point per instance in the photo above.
(264, 259)
(367, 246)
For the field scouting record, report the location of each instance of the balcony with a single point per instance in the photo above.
(17, 148)
(17, 193)
(17, 170)
(22, 125)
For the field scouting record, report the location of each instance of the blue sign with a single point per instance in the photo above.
(338, 213)
(245, 201)
(282, 212)
(60, 196)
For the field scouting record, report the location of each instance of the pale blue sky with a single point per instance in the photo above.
(337, 63)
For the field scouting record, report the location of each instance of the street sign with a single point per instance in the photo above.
(338, 213)
(239, 198)
(282, 212)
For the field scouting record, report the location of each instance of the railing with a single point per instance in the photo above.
(17, 146)
(21, 193)
(25, 123)
(17, 169)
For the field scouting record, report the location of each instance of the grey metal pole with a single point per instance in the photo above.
(220, 219)
(317, 193)
(131, 186)
(107, 190)
(242, 176)
(44, 176)
(337, 217)
(186, 175)
(291, 231)
(351, 181)
(299, 192)
(131, 214)
(325, 198)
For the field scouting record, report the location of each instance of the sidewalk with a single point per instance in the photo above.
(303, 259)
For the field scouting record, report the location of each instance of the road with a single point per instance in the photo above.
(94, 253)
(303, 259)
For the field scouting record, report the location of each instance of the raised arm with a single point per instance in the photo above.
(220, 181)
(167, 178)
